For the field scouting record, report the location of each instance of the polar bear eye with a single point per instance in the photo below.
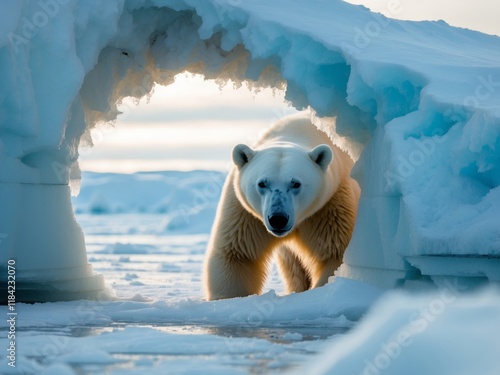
(296, 184)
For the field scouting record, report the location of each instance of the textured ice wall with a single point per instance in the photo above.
(419, 99)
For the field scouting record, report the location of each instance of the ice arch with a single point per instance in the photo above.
(420, 99)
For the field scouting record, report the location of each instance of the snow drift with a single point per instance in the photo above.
(416, 101)
(439, 333)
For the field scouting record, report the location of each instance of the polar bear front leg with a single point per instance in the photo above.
(238, 252)
(291, 268)
(326, 234)
(229, 278)
(326, 269)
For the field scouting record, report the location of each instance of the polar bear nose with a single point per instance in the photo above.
(278, 220)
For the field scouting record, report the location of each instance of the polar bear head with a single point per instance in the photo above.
(284, 184)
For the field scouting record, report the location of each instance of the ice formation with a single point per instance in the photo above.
(434, 334)
(417, 101)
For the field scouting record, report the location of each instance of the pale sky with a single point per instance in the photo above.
(190, 124)
(481, 15)
(187, 125)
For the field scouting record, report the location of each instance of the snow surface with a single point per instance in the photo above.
(158, 322)
(440, 333)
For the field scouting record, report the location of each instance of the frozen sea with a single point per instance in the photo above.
(148, 239)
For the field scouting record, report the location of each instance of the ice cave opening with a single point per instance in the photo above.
(421, 118)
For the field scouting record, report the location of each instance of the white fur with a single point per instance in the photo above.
(290, 192)
(283, 155)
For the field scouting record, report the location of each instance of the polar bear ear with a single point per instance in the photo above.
(242, 154)
(321, 155)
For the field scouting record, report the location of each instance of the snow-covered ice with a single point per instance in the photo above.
(416, 104)
(157, 321)
(440, 333)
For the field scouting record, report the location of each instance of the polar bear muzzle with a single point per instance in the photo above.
(279, 214)
(278, 221)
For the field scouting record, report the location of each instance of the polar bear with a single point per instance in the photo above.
(291, 194)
